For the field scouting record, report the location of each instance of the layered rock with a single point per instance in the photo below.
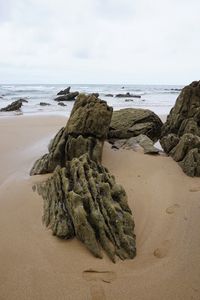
(81, 198)
(181, 132)
(131, 122)
(14, 106)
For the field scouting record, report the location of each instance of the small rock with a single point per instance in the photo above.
(44, 104)
(109, 95)
(127, 95)
(61, 104)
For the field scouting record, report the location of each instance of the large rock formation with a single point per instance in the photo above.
(131, 122)
(180, 136)
(81, 198)
(14, 106)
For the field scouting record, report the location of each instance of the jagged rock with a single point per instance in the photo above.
(44, 104)
(16, 105)
(95, 94)
(23, 100)
(130, 122)
(67, 97)
(181, 132)
(127, 95)
(61, 104)
(64, 92)
(81, 198)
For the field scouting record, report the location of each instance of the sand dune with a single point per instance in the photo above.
(36, 265)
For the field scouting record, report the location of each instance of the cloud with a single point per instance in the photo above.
(99, 41)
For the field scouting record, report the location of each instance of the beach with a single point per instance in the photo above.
(36, 265)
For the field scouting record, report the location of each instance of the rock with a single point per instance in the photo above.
(127, 95)
(68, 97)
(89, 117)
(95, 94)
(23, 100)
(44, 104)
(128, 100)
(133, 142)
(61, 104)
(81, 198)
(181, 132)
(64, 92)
(109, 95)
(130, 122)
(16, 105)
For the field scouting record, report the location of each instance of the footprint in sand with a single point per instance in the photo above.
(94, 275)
(195, 189)
(163, 250)
(172, 209)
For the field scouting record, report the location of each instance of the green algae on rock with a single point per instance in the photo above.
(81, 197)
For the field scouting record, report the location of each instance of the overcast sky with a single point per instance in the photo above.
(99, 41)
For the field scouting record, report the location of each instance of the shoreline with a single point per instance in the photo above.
(36, 265)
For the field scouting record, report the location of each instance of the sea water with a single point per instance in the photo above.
(158, 98)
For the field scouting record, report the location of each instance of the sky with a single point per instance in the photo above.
(99, 41)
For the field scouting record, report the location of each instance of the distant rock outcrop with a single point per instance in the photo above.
(64, 92)
(68, 97)
(131, 122)
(127, 95)
(81, 198)
(44, 104)
(61, 104)
(180, 136)
(14, 106)
(109, 95)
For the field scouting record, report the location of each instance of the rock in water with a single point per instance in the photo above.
(130, 122)
(16, 105)
(67, 97)
(81, 198)
(64, 92)
(180, 136)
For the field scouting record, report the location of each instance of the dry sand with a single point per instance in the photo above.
(36, 265)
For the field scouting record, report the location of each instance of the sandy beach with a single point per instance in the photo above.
(36, 265)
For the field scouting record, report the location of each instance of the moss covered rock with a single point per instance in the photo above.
(81, 198)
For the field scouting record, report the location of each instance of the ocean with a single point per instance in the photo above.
(158, 98)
